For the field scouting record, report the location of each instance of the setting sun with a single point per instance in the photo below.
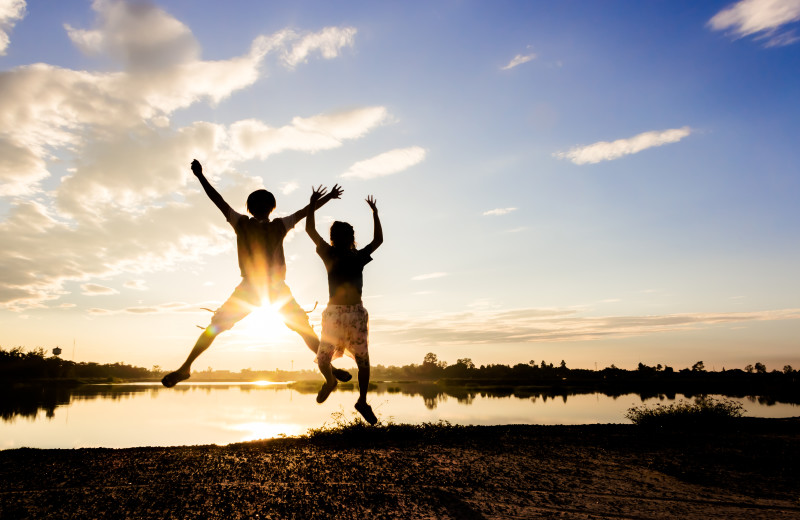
(264, 322)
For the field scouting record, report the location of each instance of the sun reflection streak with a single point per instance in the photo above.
(257, 430)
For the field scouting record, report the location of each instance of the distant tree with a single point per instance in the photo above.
(543, 365)
(787, 369)
(668, 369)
(466, 362)
(430, 359)
(760, 368)
(698, 367)
(563, 365)
(659, 367)
(749, 369)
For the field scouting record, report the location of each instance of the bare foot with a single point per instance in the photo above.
(173, 378)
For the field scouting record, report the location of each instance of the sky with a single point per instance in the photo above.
(596, 182)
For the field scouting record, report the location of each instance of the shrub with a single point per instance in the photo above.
(704, 411)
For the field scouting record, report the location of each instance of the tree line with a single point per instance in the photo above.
(17, 364)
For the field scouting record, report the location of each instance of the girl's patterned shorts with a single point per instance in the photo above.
(345, 330)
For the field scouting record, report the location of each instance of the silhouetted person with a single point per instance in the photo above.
(259, 242)
(345, 322)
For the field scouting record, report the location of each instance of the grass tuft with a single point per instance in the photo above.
(704, 411)
(354, 427)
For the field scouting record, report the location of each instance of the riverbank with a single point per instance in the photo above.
(750, 470)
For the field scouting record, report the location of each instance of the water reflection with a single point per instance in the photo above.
(29, 401)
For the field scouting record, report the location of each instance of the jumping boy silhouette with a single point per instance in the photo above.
(345, 321)
(259, 242)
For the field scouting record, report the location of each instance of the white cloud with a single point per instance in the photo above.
(327, 42)
(252, 138)
(289, 187)
(128, 204)
(93, 289)
(137, 285)
(387, 163)
(519, 59)
(605, 151)
(46, 109)
(763, 18)
(139, 35)
(498, 211)
(551, 325)
(429, 276)
(11, 11)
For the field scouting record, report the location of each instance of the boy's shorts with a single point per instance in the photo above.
(248, 296)
(345, 330)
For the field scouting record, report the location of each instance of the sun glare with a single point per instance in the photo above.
(263, 323)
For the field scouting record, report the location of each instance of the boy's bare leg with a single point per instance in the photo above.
(363, 386)
(185, 370)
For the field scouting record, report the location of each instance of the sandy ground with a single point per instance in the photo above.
(750, 470)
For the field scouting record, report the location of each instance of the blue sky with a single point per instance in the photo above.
(599, 182)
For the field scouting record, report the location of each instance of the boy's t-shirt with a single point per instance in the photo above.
(345, 273)
(260, 246)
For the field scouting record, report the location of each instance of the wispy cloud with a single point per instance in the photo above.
(762, 18)
(11, 11)
(607, 151)
(328, 42)
(289, 187)
(92, 289)
(137, 285)
(517, 60)
(498, 211)
(552, 325)
(429, 276)
(387, 163)
(251, 138)
(203, 308)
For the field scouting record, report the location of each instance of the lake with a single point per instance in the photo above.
(147, 414)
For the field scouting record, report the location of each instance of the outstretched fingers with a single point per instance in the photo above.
(372, 203)
(336, 191)
(317, 193)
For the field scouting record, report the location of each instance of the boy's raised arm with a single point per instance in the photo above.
(335, 193)
(212, 193)
(313, 204)
(377, 233)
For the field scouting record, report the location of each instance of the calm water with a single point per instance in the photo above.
(146, 414)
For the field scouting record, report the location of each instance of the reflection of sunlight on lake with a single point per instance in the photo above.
(196, 413)
(265, 430)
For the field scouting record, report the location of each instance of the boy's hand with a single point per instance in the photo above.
(336, 191)
(197, 168)
(317, 194)
(371, 201)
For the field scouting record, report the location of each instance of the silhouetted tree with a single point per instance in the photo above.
(787, 369)
(760, 368)
(698, 367)
(749, 369)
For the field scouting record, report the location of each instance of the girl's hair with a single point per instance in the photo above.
(342, 235)
(260, 203)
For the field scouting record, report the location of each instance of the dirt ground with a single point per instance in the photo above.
(750, 470)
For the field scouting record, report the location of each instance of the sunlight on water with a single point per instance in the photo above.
(146, 414)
